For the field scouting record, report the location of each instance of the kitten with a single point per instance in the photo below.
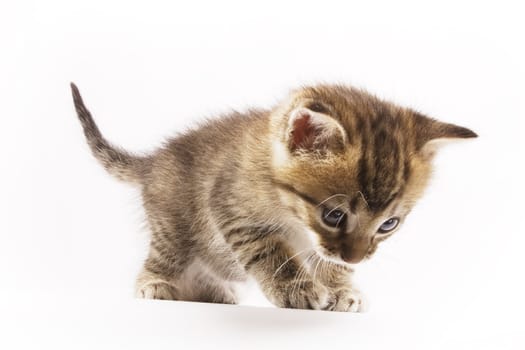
(292, 196)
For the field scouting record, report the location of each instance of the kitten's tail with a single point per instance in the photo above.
(119, 163)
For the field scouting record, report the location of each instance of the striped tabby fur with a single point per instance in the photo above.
(249, 194)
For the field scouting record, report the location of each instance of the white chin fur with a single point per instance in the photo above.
(333, 259)
(307, 240)
(321, 252)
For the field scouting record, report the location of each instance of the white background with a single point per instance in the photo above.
(71, 237)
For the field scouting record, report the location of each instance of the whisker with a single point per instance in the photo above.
(364, 199)
(287, 260)
(346, 210)
(319, 260)
(357, 218)
(302, 272)
(332, 196)
(335, 208)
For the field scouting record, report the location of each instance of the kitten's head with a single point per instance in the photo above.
(352, 166)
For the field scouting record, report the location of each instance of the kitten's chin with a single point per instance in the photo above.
(335, 259)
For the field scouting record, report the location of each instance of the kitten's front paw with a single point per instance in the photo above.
(158, 290)
(347, 300)
(308, 295)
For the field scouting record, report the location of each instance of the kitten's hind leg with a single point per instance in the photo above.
(161, 276)
(202, 285)
(153, 286)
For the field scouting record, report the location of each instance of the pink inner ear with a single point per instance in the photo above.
(303, 133)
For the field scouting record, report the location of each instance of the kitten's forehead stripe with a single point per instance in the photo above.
(383, 166)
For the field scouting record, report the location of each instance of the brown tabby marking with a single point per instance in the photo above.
(290, 195)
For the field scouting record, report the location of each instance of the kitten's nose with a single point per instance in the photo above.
(354, 256)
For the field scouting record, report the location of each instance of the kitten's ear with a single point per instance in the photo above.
(313, 131)
(431, 134)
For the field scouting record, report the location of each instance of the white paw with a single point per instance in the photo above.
(156, 290)
(348, 300)
(308, 295)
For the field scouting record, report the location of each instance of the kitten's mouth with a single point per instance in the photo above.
(334, 258)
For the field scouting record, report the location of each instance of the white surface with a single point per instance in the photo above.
(70, 238)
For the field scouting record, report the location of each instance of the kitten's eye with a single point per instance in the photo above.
(317, 107)
(333, 217)
(388, 225)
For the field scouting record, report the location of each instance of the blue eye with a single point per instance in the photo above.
(388, 225)
(333, 217)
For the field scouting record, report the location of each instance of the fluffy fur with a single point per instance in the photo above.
(254, 193)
